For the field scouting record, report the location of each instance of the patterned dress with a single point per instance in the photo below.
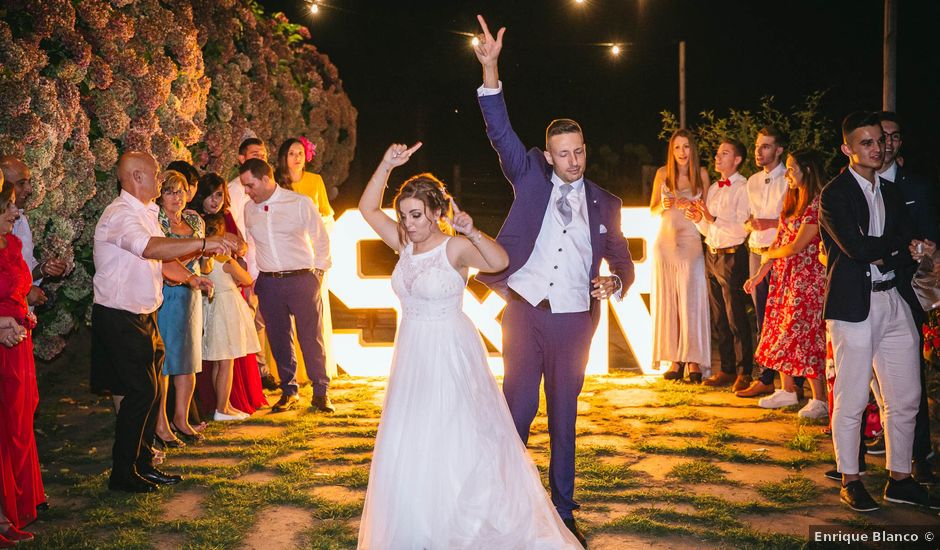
(180, 316)
(793, 337)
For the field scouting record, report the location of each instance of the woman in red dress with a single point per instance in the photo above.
(246, 395)
(20, 477)
(793, 336)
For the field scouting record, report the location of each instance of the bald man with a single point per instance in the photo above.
(16, 171)
(126, 349)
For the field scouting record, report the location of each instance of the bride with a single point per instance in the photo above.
(448, 469)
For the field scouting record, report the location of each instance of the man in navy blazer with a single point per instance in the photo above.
(559, 228)
(866, 231)
(920, 199)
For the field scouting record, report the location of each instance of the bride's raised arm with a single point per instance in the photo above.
(370, 204)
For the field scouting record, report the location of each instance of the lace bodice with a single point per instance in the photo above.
(427, 284)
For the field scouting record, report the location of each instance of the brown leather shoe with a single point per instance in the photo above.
(719, 380)
(756, 389)
(741, 383)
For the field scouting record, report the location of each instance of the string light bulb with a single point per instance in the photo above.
(475, 42)
(314, 8)
(615, 49)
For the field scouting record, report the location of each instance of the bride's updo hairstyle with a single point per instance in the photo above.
(430, 191)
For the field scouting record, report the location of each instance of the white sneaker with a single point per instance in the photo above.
(814, 409)
(780, 398)
(222, 417)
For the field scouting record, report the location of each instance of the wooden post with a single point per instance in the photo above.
(889, 83)
(682, 82)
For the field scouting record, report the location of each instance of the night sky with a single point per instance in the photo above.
(413, 77)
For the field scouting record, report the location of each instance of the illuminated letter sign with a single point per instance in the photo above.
(356, 291)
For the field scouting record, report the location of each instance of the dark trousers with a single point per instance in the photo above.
(127, 353)
(727, 302)
(538, 343)
(294, 300)
(760, 290)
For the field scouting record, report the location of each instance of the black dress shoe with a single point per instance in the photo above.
(573, 527)
(130, 483)
(323, 403)
(285, 403)
(154, 475)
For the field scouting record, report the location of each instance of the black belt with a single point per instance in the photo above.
(544, 304)
(881, 286)
(282, 274)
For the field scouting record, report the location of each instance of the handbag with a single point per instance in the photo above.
(926, 285)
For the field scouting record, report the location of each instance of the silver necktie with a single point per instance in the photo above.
(562, 203)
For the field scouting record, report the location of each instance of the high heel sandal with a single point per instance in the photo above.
(164, 444)
(675, 374)
(192, 438)
(695, 377)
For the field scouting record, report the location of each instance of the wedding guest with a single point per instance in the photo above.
(290, 173)
(246, 393)
(20, 476)
(765, 192)
(15, 171)
(129, 249)
(180, 316)
(679, 297)
(229, 331)
(191, 173)
(793, 340)
(251, 148)
(920, 197)
(720, 216)
(866, 231)
(293, 252)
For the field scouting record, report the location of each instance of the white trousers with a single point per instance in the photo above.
(886, 345)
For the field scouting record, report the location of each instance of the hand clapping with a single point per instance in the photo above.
(398, 154)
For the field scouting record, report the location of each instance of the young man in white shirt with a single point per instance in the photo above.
(866, 231)
(721, 218)
(292, 252)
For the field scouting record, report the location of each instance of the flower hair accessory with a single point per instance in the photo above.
(310, 149)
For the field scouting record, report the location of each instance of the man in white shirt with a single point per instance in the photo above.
(16, 171)
(250, 148)
(292, 251)
(126, 349)
(766, 189)
(721, 218)
(866, 231)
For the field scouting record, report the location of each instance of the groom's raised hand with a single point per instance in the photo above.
(487, 52)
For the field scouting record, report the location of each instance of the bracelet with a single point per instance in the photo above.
(475, 239)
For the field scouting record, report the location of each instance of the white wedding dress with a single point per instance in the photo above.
(449, 470)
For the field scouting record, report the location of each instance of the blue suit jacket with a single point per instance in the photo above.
(530, 176)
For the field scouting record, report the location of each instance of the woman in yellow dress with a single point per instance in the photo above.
(290, 173)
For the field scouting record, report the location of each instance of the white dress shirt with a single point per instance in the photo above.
(237, 201)
(22, 230)
(729, 206)
(890, 173)
(287, 233)
(876, 217)
(765, 193)
(124, 279)
(559, 266)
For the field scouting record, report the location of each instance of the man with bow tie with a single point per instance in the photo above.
(721, 217)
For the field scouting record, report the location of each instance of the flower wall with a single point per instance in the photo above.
(81, 81)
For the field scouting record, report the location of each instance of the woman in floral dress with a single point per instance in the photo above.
(793, 337)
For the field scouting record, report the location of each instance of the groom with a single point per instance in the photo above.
(559, 228)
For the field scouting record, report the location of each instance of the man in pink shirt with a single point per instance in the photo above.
(127, 351)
